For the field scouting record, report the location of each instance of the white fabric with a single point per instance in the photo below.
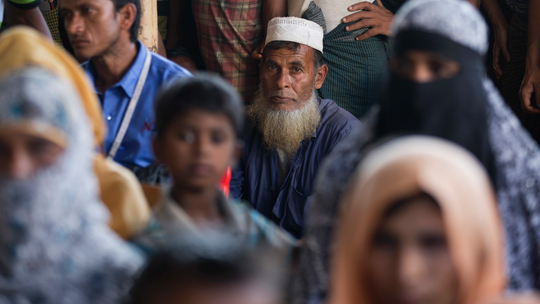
(295, 30)
(333, 10)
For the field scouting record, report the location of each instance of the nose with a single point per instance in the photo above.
(284, 80)
(20, 166)
(202, 145)
(74, 24)
(411, 267)
(422, 74)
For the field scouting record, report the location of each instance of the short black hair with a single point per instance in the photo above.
(171, 269)
(134, 29)
(293, 46)
(205, 91)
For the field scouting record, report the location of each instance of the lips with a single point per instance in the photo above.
(278, 99)
(78, 43)
(201, 170)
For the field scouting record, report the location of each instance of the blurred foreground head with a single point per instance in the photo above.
(224, 275)
(54, 239)
(419, 225)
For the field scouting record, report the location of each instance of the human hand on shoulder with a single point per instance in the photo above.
(378, 18)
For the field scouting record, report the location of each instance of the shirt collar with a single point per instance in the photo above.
(129, 81)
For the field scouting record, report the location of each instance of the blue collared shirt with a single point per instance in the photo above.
(136, 148)
(256, 177)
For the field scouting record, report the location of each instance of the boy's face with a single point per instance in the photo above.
(197, 147)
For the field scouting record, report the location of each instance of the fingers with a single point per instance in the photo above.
(363, 6)
(358, 16)
(525, 96)
(257, 52)
(360, 24)
(370, 33)
(496, 67)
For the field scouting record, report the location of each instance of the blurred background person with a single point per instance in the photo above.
(119, 188)
(353, 50)
(229, 32)
(516, 58)
(419, 224)
(437, 87)
(289, 130)
(56, 246)
(24, 12)
(126, 76)
(216, 274)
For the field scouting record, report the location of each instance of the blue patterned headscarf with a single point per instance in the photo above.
(55, 245)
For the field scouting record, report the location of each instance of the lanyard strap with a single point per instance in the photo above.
(131, 107)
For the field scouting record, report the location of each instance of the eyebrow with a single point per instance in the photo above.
(297, 63)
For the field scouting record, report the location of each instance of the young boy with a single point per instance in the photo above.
(199, 121)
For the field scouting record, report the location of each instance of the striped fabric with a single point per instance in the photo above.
(229, 31)
(356, 69)
(519, 6)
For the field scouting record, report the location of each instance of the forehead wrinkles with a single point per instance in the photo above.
(288, 56)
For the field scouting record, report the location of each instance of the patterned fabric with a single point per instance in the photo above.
(55, 243)
(517, 162)
(172, 226)
(229, 31)
(519, 6)
(513, 73)
(51, 17)
(356, 69)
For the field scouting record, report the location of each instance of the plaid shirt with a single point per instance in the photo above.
(229, 31)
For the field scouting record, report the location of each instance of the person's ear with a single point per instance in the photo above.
(321, 76)
(158, 151)
(127, 15)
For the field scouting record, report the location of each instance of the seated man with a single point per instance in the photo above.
(289, 129)
(125, 74)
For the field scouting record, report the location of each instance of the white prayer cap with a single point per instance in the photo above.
(295, 30)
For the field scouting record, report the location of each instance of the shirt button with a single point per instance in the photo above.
(109, 117)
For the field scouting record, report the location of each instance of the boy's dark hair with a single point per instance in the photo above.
(204, 91)
(134, 29)
(293, 46)
(171, 270)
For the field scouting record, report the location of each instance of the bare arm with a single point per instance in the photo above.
(32, 17)
(500, 26)
(531, 80)
(270, 9)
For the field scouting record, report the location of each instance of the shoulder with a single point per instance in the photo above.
(25, 4)
(336, 117)
(167, 69)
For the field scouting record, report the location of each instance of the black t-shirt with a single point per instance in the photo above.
(393, 5)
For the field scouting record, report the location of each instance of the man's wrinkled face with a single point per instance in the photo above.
(288, 77)
(92, 26)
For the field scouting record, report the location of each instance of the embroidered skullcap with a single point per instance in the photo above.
(295, 30)
(457, 20)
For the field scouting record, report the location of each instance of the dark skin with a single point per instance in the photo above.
(423, 67)
(289, 77)
(101, 34)
(370, 15)
(22, 155)
(33, 18)
(197, 148)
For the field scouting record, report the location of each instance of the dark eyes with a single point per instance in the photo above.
(190, 137)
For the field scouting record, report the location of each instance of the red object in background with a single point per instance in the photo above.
(224, 182)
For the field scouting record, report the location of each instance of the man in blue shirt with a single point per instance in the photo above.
(125, 74)
(289, 130)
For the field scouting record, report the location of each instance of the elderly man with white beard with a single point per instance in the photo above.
(289, 129)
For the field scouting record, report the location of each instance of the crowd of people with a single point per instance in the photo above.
(273, 152)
